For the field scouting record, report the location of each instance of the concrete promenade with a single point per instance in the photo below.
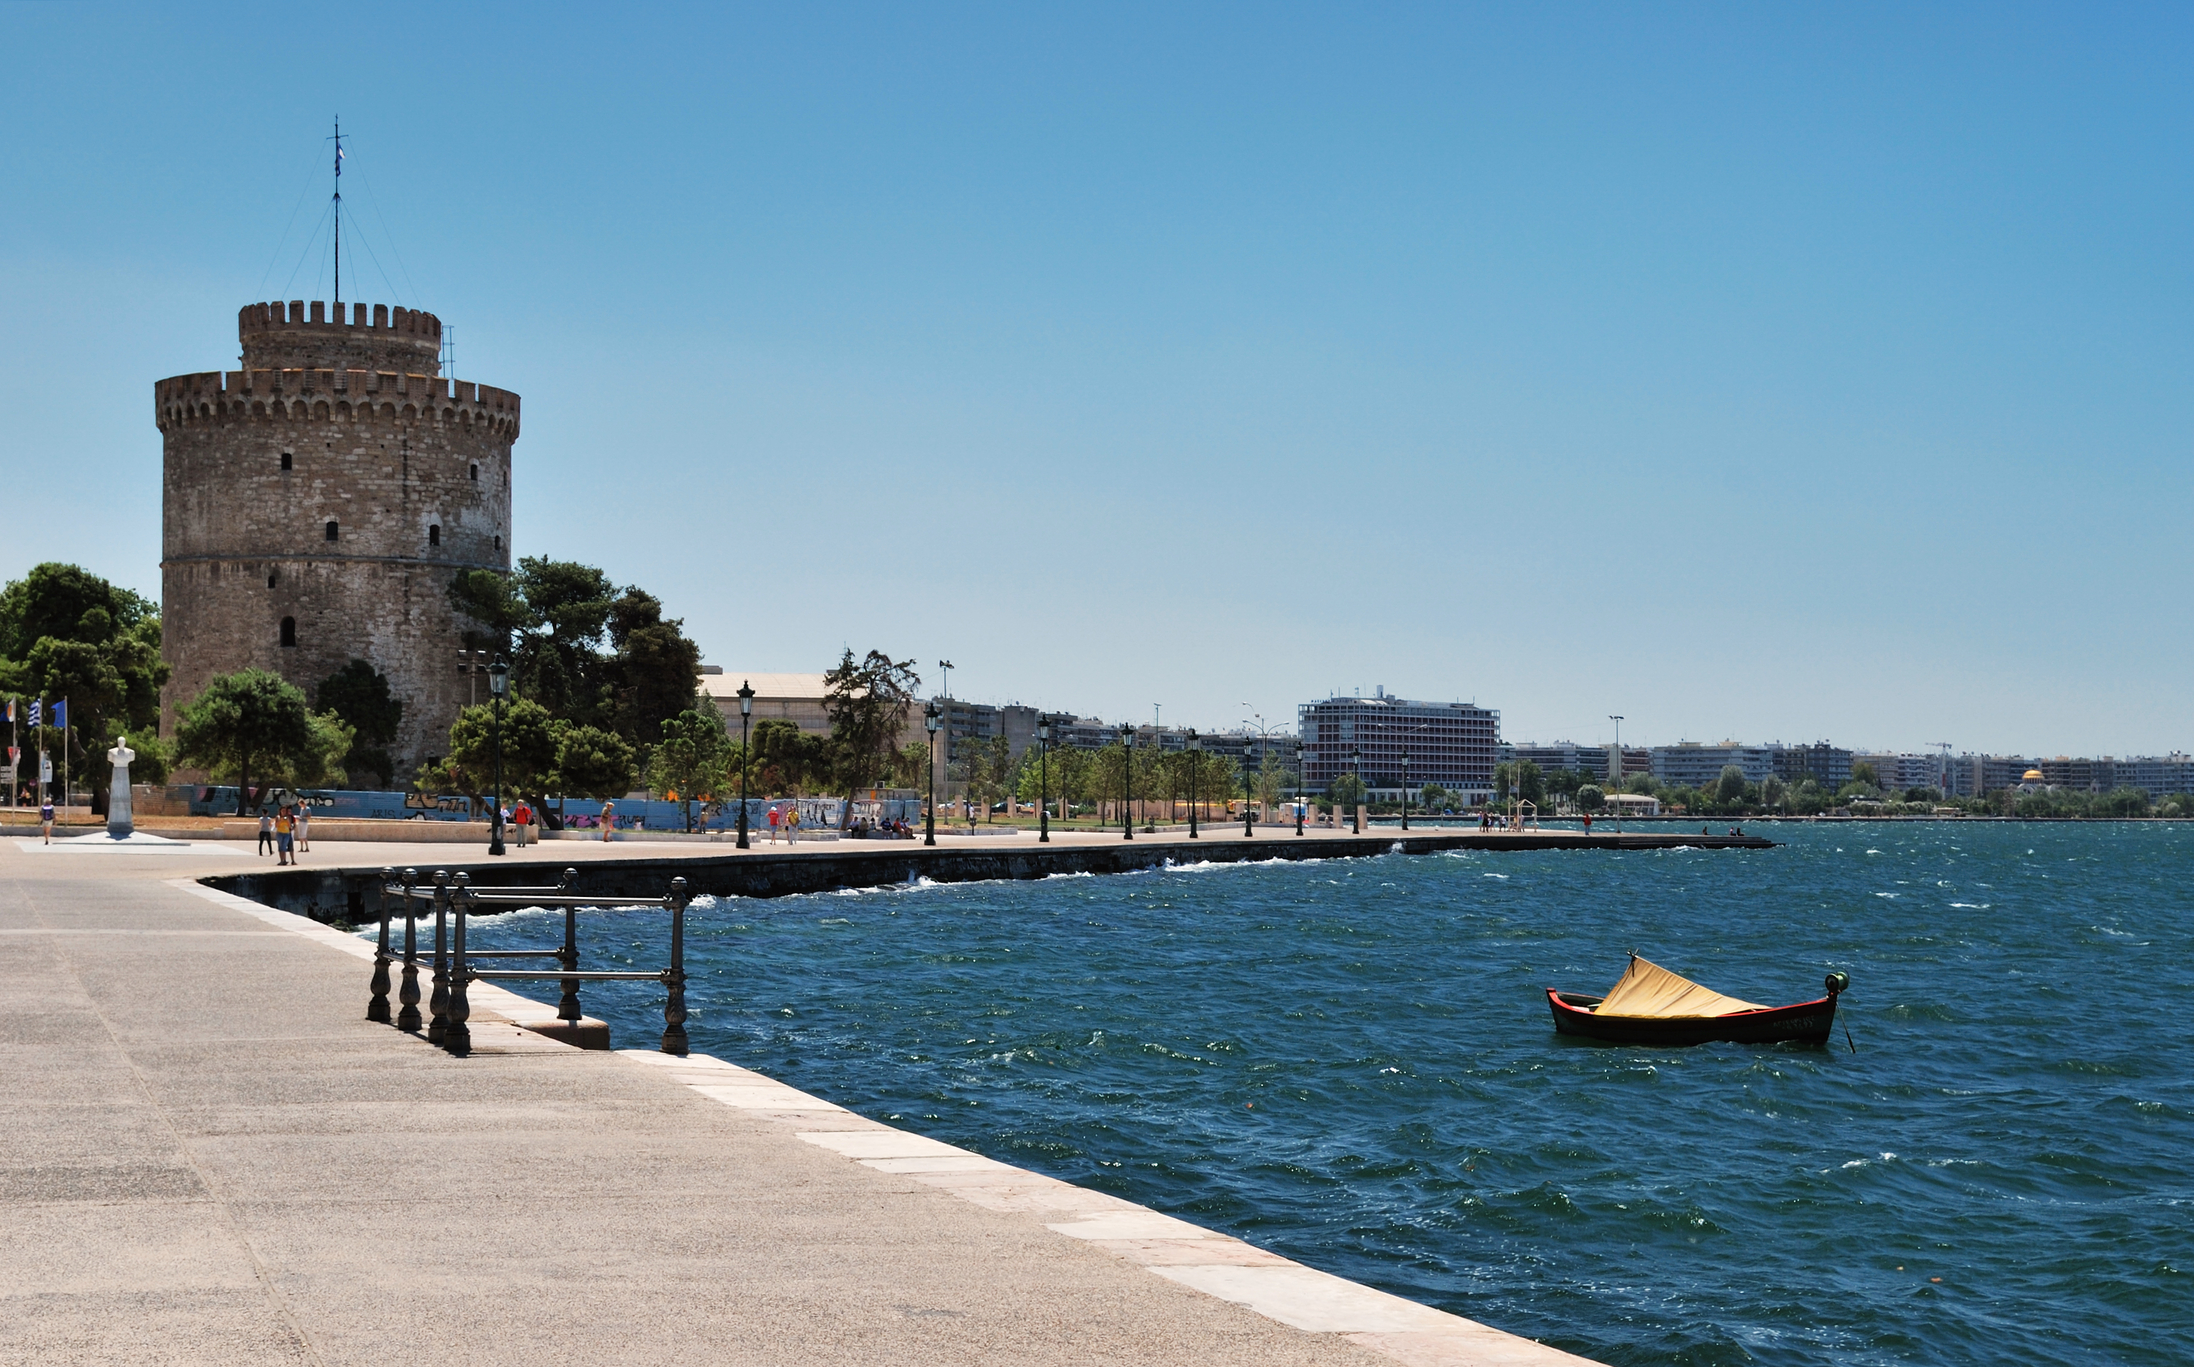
(215, 1158)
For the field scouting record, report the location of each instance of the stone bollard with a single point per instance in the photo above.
(407, 1017)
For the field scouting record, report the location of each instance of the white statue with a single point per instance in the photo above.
(118, 790)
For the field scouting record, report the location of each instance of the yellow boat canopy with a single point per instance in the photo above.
(1646, 989)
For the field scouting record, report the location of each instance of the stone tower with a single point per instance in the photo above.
(318, 502)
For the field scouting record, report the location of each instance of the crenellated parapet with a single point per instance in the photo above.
(304, 335)
(333, 395)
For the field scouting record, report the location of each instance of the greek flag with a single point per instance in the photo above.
(37, 713)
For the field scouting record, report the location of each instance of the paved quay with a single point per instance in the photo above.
(216, 1158)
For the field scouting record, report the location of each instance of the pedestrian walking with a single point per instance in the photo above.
(609, 819)
(45, 819)
(266, 831)
(792, 827)
(304, 828)
(524, 819)
(284, 837)
(774, 816)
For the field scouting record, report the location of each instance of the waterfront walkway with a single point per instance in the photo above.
(215, 1158)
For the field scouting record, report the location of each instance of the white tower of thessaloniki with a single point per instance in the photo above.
(318, 502)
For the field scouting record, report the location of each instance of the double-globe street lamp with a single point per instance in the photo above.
(746, 761)
(931, 721)
(498, 681)
(1299, 802)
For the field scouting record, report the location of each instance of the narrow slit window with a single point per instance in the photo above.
(498, 543)
(270, 581)
(289, 631)
(476, 473)
(286, 460)
(331, 531)
(434, 535)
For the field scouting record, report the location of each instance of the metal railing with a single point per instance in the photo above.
(455, 900)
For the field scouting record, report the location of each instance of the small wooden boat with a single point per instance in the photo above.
(1651, 1005)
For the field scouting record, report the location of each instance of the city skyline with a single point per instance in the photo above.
(1756, 376)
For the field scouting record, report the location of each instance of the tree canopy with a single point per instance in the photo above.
(867, 701)
(359, 694)
(255, 726)
(67, 633)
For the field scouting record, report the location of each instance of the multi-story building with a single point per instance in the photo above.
(1972, 775)
(1897, 772)
(1827, 765)
(1452, 744)
(1690, 764)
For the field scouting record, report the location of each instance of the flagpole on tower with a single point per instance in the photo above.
(338, 141)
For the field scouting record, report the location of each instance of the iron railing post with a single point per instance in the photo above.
(674, 978)
(377, 1005)
(408, 995)
(567, 1007)
(457, 1036)
(438, 1001)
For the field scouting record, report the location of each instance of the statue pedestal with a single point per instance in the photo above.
(118, 790)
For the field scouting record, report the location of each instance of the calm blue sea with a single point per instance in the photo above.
(1351, 1062)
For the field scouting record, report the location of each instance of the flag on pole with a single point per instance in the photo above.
(60, 720)
(11, 711)
(37, 712)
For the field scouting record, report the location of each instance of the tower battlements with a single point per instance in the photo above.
(343, 395)
(316, 335)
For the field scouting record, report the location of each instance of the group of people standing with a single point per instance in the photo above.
(285, 833)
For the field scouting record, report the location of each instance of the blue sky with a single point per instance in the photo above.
(1749, 372)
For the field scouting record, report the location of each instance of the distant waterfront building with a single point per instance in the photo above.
(1972, 775)
(1898, 772)
(1452, 744)
(797, 698)
(1690, 764)
(1827, 765)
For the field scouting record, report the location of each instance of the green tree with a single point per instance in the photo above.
(592, 762)
(868, 701)
(1729, 789)
(910, 766)
(359, 694)
(1591, 797)
(67, 633)
(531, 739)
(1771, 791)
(694, 758)
(255, 724)
(652, 673)
(1863, 773)
(1345, 791)
(987, 768)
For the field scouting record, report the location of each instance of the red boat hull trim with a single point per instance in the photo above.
(1804, 1023)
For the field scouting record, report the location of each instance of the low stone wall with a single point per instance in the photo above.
(404, 832)
(351, 894)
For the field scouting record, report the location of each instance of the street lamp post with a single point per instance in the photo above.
(746, 761)
(1043, 779)
(1356, 767)
(930, 720)
(1249, 813)
(1618, 772)
(498, 681)
(1127, 781)
(1299, 803)
(1195, 762)
(1405, 790)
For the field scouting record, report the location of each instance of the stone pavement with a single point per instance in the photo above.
(215, 1158)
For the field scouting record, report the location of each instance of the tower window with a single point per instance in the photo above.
(476, 473)
(270, 581)
(331, 531)
(434, 535)
(285, 460)
(498, 543)
(289, 631)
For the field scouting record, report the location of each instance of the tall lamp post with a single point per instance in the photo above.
(1043, 778)
(498, 681)
(1299, 803)
(1356, 767)
(1195, 762)
(1618, 771)
(1405, 790)
(1127, 781)
(746, 761)
(1249, 813)
(931, 721)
